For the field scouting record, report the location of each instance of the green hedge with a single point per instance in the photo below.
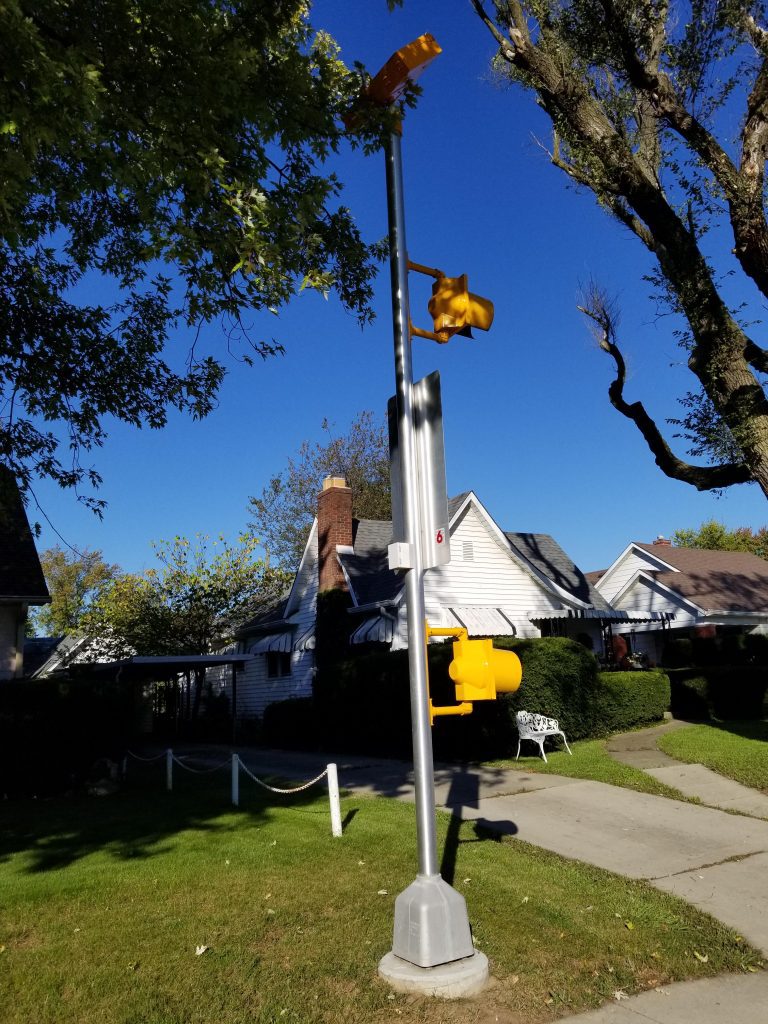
(724, 692)
(629, 699)
(51, 733)
(362, 704)
(732, 650)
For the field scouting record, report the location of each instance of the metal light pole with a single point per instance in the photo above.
(414, 579)
(432, 948)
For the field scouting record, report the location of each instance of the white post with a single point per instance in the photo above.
(235, 780)
(333, 798)
(169, 769)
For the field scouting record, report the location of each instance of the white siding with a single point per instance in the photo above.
(490, 578)
(254, 689)
(647, 596)
(636, 560)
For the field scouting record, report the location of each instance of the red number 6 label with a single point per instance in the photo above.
(439, 537)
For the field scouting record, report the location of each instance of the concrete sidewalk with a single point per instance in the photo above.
(713, 859)
(639, 749)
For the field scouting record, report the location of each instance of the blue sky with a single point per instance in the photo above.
(528, 425)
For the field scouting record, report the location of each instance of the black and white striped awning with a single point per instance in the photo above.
(377, 629)
(612, 615)
(282, 642)
(306, 640)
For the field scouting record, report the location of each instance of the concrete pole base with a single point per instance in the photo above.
(456, 980)
(431, 923)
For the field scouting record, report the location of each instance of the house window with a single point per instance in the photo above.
(278, 664)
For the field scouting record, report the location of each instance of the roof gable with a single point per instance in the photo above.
(372, 581)
(21, 575)
(732, 581)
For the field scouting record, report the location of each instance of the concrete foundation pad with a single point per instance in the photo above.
(456, 980)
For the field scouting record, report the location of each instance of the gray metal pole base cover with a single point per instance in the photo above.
(431, 923)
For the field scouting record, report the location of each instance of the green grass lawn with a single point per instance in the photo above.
(591, 760)
(737, 750)
(105, 902)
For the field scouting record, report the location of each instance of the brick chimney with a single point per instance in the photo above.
(334, 526)
(661, 540)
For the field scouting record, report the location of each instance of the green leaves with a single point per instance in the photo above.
(283, 515)
(201, 592)
(189, 198)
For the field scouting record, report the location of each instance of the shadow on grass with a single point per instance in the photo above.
(464, 793)
(139, 821)
(749, 729)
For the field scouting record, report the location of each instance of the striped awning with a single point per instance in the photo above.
(483, 620)
(604, 615)
(377, 629)
(306, 641)
(282, 642)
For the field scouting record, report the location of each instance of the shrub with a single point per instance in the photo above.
(688, 698)
(51, 732)
(560, 680)
(677, 653)
(756, 647)
(625, 700)
(363, 704)
(725, 692)
(291, 724)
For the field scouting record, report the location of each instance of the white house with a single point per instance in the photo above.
(496, 584)
(22, 583)
(684, 592)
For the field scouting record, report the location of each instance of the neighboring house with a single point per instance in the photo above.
(496, 584)
(72, 649)
(693, 591)
(21, 578)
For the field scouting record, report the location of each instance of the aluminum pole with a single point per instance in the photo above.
(423, 764)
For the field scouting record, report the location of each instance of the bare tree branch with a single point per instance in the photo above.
(703, 478)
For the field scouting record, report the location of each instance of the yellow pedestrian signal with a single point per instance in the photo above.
(456, 310)
(479, 671)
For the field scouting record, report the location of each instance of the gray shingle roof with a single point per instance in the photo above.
(368, 568)
(454, 504)
(20, 572)
(549, 558)
(275, 613)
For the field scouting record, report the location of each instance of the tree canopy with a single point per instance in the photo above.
(715, 536)
(192, 604)
(161, 168)
(74, 580)
(659, 109)
(283, 515)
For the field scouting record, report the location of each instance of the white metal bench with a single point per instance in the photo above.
(536, 728)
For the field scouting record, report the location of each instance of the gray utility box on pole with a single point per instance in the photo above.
(430, 482)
